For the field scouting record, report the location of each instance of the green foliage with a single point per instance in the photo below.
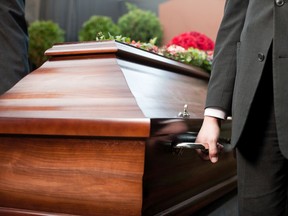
(97, 24)
(42, 36)
(193, 57)
(140, 25)
(102, 37)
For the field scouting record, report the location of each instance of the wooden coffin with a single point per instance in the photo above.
(89, 133)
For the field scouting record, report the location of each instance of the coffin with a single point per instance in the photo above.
(90, 132)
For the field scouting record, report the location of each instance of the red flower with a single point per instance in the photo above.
(193, 39)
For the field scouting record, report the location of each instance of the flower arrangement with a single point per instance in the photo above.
(188, 55)
(192, 56)
(193, 39)
(150, 46)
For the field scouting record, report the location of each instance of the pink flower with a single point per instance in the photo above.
(173, 49)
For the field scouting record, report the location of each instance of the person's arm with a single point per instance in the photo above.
(14, 64)
(208, 135)
(222, 79)
(210, 131)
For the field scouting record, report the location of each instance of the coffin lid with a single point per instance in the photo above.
(101, 89)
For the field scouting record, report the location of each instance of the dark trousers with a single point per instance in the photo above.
(262, 169)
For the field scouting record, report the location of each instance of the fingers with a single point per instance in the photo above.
(209, 134)
(204, 153)
(210, 153)
(213, 152)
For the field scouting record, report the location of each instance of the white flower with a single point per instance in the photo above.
(173, 49)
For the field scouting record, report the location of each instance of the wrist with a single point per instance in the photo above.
(212, 120)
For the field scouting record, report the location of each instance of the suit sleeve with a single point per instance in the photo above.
(14, 64)
(221, 83)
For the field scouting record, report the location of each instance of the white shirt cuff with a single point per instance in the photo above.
(214, 112)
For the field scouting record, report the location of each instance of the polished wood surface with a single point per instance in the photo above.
(73, 96)
(163, 94)
(80, 176)
(128, 53)
(179, 182)
(78, 136)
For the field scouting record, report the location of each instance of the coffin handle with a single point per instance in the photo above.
(187, 141)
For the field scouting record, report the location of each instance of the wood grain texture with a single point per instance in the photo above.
(128, 52)
(76, 135)
(89, 47)
(73, 97)
(72, 89)
(76, 176)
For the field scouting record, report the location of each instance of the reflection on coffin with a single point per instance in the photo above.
(90, 132)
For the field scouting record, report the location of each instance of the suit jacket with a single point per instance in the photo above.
(14, 62)
(246, 32)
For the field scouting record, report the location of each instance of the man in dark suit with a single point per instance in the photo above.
(13, 43)
(249, 82)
